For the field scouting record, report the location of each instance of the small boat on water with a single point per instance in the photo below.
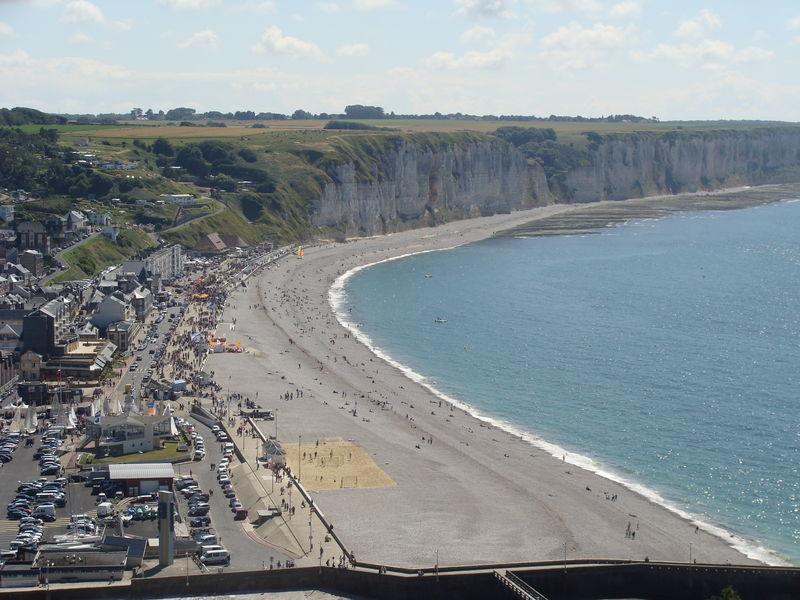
(428, 275)
(439, 320)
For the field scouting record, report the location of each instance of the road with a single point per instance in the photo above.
(245, 552)
(148, 360)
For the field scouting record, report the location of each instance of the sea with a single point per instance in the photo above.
(663, 354)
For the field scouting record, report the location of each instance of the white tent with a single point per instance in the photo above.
(31, 420)
(16, 421)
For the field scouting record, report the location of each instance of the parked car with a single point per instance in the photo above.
(195, 522)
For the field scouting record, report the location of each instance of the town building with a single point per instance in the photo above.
(32, 235)
(62, 566)
(114, 307)
(111, 232)
(143, 478)
(33, 261)
(180, 199)
(75, 222)
(100, 219)
(167, 262)
(122, 334)
(9, 338)
(7, 212)
(83, 360)
(116, 435)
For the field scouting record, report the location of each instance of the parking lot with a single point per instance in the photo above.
(245, 552)
(25, 468)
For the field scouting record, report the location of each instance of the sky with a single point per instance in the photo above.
(675, 59)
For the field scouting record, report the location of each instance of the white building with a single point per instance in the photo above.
(114, 307)
(180, 199)
(167, 262)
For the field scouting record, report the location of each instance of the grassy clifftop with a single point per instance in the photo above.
(266, 180)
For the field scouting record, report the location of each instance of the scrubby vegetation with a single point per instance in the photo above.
(91, 257)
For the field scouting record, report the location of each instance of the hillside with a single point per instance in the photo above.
(294, 180)
(89, 258)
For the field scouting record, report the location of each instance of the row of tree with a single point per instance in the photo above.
(353, 111)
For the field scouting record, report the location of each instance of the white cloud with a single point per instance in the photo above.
(5, 29)
(273, 41)
(707, 53)
(574, 47)
(262, 6)
(477, 35)
(490, 59)
(207, 38)
(329, 7)
(629, 9)
(493, 57)
(586, 8)
(20, 65)
(701, 25)
(753, 54)
(82, 11)
(794, 23)
(187, 4)
(375, 4)
(353, 50)
(80, 38)
(483, 8)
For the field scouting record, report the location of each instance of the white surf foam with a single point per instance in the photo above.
(337, 297)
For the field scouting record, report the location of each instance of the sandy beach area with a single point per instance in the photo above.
(450, 482)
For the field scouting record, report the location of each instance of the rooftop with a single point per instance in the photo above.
(141, 471)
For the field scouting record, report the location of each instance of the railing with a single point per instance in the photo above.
(527, 589)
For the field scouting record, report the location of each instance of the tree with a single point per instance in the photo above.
(191, 159)
(727, 594)
(180, 114)
(248, 155)
(302, 114)
(136, 113)
(163, 147)
(150, 115)
(359, 111)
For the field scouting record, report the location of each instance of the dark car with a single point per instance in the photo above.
(198, 497)
(198, 511)
(240, 514)
(199, 521)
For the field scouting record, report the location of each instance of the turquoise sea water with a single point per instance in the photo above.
(667, 351)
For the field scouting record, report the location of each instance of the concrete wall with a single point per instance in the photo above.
(648, 581)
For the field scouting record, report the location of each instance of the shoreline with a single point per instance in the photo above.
(479, 493)
(337, 297)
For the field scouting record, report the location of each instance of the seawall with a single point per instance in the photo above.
(563, 581)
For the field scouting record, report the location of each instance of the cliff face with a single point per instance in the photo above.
(410, 184)
(630, 166)
(416, 181)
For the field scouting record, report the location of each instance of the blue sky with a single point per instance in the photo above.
(674, 59)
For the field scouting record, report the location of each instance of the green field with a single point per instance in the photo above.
(168, 453)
